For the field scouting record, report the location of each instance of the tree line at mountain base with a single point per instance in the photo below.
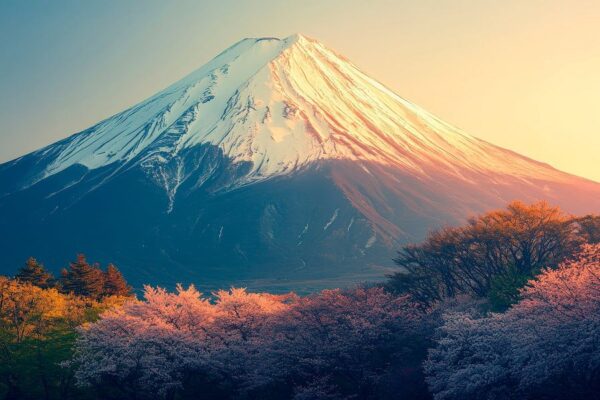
(506, 306)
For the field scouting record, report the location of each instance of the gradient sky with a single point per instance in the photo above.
(521, 74)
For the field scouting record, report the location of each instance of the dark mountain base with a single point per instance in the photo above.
(332, 224)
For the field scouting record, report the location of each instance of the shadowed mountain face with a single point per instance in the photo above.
(277, 165)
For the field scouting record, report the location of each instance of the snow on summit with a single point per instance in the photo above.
(282, 104)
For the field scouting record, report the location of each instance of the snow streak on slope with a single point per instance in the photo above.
(282, 104)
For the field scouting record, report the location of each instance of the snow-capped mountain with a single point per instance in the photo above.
(278, 159)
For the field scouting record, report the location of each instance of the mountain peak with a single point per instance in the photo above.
(277, 159)
(280, 105)
(288, 40)
(298, 37)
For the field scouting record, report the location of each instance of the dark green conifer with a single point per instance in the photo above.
(83, 279)
(33, 272)
(114, 283)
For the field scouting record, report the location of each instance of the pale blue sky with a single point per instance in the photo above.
(521, 74)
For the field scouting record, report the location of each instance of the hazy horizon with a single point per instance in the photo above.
(521, 76)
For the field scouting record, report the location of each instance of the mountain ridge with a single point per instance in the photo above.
(161, 115)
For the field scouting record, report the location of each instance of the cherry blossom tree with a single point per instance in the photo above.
(545, 346)
(143, 347)
(152, 347)
(339, 343)
(334, 344)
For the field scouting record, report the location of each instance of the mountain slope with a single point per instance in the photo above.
(278, 159)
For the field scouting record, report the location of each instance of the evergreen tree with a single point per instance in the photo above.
(83, 279)
(114, 283)
(63, 281)
(34, 273)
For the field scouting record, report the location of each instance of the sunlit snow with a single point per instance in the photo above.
(281, 104)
